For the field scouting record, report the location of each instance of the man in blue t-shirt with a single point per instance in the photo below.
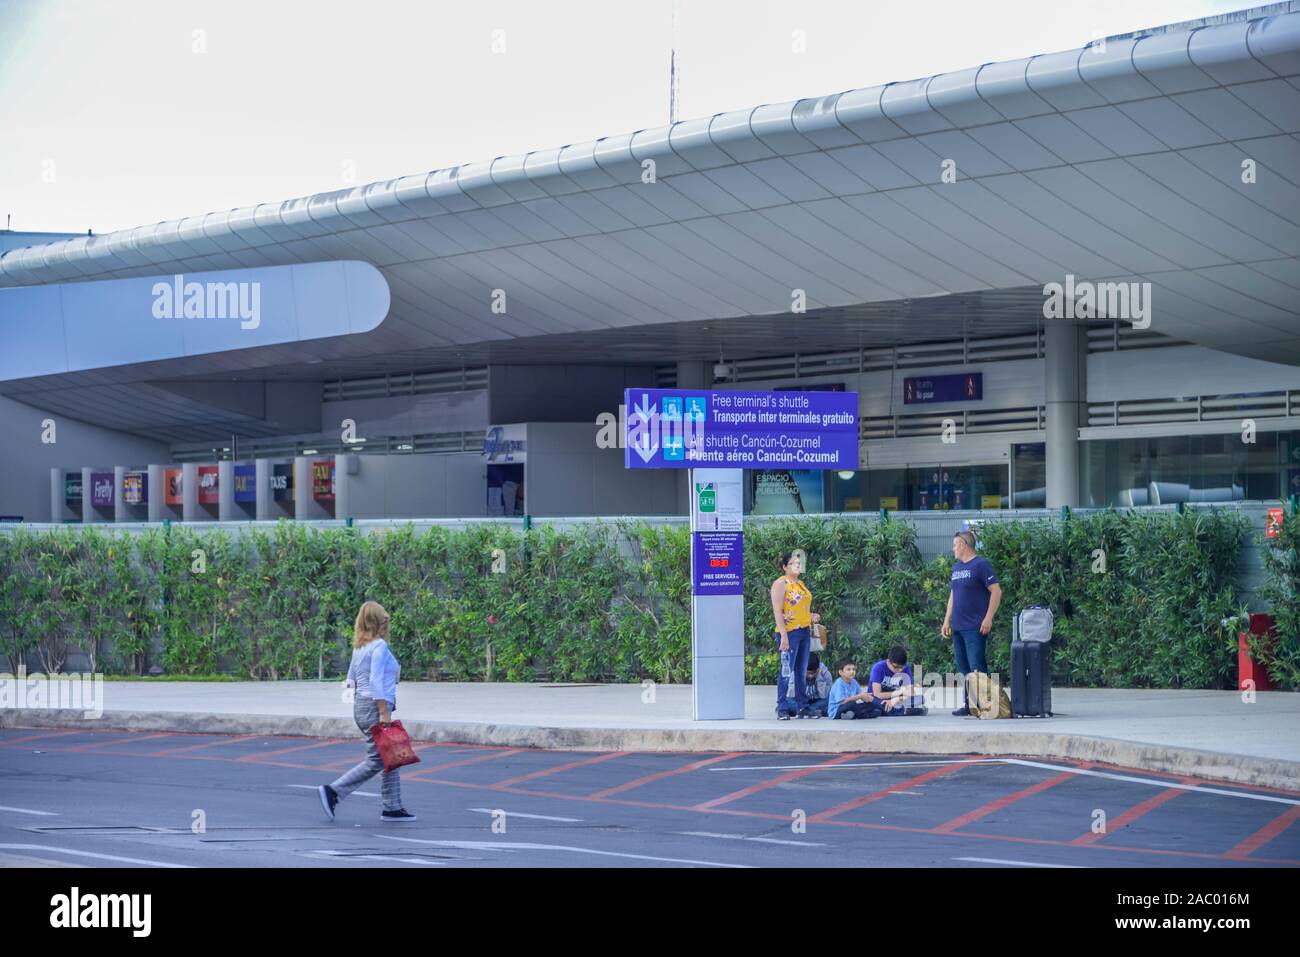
(892, 683)
(972, 603)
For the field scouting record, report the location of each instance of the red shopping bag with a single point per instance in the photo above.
(394, 745)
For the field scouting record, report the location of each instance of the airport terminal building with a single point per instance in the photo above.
(1070, 279)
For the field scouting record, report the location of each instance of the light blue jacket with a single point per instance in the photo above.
(374, 672)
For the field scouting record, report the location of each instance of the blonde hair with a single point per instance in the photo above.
(372, 623)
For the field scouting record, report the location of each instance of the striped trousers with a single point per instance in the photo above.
(366, 714)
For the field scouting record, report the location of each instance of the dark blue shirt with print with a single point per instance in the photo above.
(970, 592)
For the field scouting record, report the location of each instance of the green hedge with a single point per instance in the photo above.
(611, 601)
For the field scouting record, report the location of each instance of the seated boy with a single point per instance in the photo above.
(847, 699)
(819, 688)
(891, 682)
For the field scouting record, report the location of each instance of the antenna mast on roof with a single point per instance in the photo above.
(673, 77)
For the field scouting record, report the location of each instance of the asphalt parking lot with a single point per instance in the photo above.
(124, 799)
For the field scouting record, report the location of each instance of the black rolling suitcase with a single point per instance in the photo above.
(1031, 664)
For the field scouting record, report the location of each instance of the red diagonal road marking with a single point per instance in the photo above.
(598, 759)
(477, 759)
(256, 758)
(37, 737)
(660, 775)
(78, 748)
(780, 779)
(207, 744)
(1265, 834)
(997, 805)
(858, 802)
(1133, 813)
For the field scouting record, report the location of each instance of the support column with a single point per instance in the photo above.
(1065, 388)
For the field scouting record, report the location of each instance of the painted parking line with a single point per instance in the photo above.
(255, 758)
(129, 739)
(865, 799)
(185, 749)
(535, 817)
(1000, 860)
(1265, 834)
(7, 742)
(1180, 785)
(463, 762)
(867, 764)
(379, 857)
(774, 782)
(660, 775)
(1002, 802)
(100, 857)
(582, 763)
(746, 837)
(23, 810)
(1129, 816)
(568, 848)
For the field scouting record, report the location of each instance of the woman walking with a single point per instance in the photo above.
(372, 677)
(792, 608)
(972, 602)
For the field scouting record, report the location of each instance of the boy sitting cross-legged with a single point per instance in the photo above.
(848, 700)
(891, 682)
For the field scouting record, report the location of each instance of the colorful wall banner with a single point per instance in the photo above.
(282, 483)
(208, 478)
(245, 483)
(322, 480)
(101, 489)
(135, 488)
(172, 493)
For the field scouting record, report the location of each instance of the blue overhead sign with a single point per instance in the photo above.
(962, 387)
(677, 428)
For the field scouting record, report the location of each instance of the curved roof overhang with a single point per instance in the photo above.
(1170, 157)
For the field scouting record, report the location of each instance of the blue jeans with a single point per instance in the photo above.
(968, 647)
(860, 709)
(800, 643)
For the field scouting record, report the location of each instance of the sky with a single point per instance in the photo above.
(118, 113)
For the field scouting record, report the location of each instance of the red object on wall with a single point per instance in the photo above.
(1248, 669)
(1273, 523)
(208, 494)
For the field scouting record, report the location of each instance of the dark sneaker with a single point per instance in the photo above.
(329, 799)
(919, 710)
(400, 816)
(783, 716)
(846, 715)
(961, 713)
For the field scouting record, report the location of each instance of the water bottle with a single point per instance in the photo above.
(785, 665)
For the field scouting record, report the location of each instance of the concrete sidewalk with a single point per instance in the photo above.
(1208, 734)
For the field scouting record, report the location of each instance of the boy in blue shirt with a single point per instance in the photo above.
(848, 700)
(892, 684)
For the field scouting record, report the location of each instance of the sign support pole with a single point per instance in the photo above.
(717, 596)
